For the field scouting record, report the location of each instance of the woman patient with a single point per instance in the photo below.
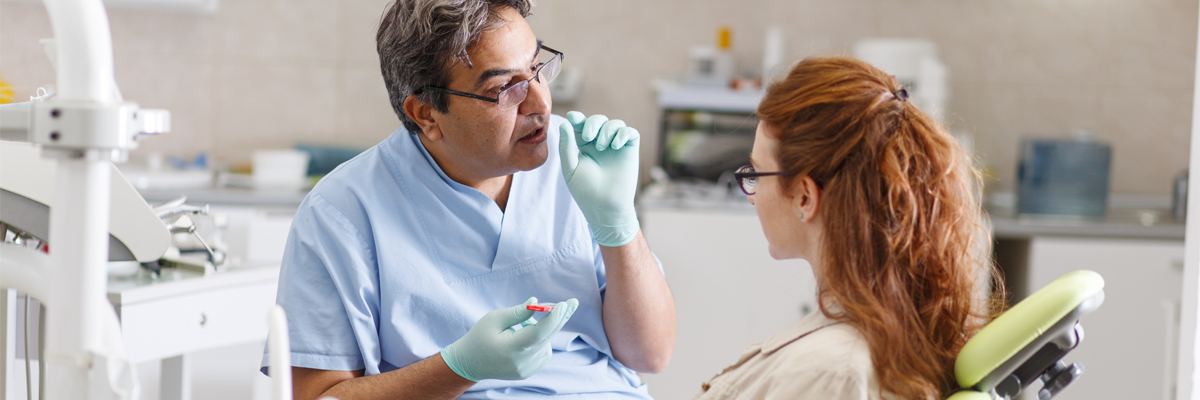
(881, 201)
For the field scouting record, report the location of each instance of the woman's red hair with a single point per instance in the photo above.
(906, 249)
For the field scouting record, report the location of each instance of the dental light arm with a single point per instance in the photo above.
(84, 129)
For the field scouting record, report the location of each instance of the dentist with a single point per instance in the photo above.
(408, 268)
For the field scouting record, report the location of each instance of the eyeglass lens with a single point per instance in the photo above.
(515, 94)
(747, 182)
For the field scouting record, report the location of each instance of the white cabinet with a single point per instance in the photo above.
(182, 313)
(216, 311)
(1129, 347)
(729, 292)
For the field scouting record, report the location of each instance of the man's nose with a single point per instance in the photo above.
(750, 198)
(537, 100)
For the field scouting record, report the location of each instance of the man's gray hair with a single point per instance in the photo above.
(417, 39)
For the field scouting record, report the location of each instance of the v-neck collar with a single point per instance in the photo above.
(510, 225)
(508, 221)
(455, 185)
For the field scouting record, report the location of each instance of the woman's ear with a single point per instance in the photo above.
(422, 114)
(806, 197)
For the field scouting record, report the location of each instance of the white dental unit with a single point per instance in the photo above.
(58, 188)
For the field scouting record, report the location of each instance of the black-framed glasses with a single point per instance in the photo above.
(747, 177)
(514, 93)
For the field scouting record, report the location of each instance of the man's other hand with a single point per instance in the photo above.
(493, 349)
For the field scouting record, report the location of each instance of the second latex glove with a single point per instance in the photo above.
(600, 163)
(492, 349)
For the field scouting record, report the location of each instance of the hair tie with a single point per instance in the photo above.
(901, 94)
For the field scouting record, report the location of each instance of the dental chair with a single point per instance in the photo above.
(1027, 342)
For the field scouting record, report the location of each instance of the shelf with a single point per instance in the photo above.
(205, 7)
(708, 99)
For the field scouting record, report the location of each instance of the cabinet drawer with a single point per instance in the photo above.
(174, 325)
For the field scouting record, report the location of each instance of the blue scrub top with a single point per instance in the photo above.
(389, 260)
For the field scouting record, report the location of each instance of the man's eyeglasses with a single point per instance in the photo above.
(746, 177)
(514, 93)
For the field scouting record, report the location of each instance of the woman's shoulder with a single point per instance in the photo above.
(820, 344)
(815, 357)
(824, 358)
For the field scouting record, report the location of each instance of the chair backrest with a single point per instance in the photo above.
(1028, 342)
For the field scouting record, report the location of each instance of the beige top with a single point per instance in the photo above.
(814, 358)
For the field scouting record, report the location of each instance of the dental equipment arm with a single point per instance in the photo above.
(135, 232)
(84, 129)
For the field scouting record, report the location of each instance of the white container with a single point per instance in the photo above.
(915, 63)
(709, 67)
(773, 65)
(282, 169)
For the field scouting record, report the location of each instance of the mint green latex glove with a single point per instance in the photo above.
(600, 163)
(492, 349)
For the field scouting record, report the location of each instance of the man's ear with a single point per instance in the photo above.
(422, 114)
(806, 197)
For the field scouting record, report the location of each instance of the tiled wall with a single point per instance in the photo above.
(268, 73)
(255, 74)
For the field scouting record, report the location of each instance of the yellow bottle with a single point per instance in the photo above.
(6, 92)
(724, 38)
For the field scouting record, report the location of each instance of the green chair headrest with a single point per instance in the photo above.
(970, 395)
(1022, 324)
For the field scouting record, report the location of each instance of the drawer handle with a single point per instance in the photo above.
(203, 319)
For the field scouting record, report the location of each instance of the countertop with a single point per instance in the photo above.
(175, 282)
(1137, 223)
(229, 196)
(1131, 223)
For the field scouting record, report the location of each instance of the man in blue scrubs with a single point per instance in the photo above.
(408, 269)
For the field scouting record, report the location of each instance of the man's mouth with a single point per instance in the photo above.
(536, 137)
